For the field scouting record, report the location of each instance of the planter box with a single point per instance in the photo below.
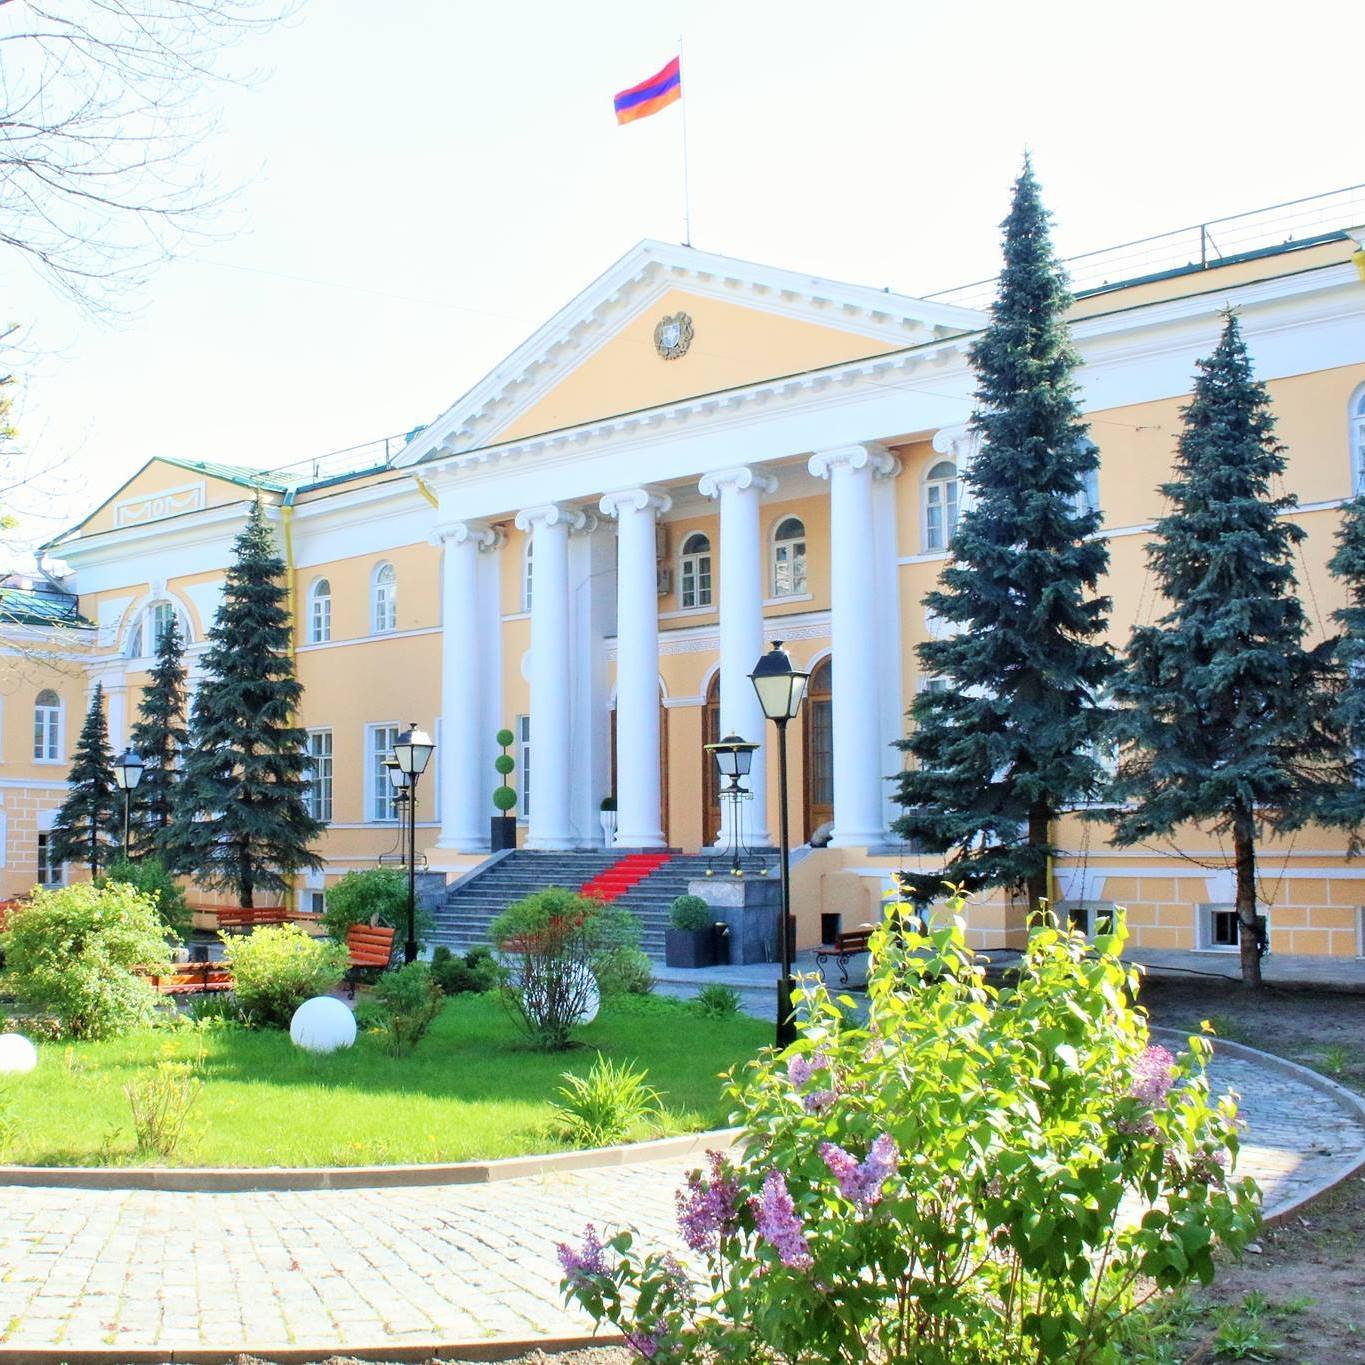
(689, 947)
(502, 832)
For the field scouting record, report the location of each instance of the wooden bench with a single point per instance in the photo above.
(193, 978)
(844, 947)
(236, 919)
(371, 949)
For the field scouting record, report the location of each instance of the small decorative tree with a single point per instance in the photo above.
(504, 829)
(88, 826)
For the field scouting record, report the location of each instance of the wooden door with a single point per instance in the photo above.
(710, 778)
(819, 747)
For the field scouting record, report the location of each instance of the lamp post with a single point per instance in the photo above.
(734, 758)
(127, 774)
(412, 750)
(781, 689)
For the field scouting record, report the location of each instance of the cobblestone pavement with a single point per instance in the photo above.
(101, 1269)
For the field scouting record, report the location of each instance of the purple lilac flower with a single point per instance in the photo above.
(708, 1208)
(580, 1262)
(1153, 1074)
(646, 1343)
(861, 1183)
(819, 1100)
(779, 1223)
(802, 1067)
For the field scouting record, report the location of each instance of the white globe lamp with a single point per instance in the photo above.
(322, 1024)
(17, 1054)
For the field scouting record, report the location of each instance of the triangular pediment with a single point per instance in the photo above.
(600, 357)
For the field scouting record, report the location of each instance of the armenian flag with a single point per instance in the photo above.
(658, 92)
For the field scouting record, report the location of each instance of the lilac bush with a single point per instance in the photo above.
(977, 1173)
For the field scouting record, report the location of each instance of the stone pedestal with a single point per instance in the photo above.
(751, 906)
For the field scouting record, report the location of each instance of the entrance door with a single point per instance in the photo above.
(819, 747)
(710, 778)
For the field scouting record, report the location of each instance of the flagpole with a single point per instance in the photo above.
(687, 199)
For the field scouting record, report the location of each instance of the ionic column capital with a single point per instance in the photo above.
(552, 514)
(961, 441)
(862, 455)
(740, 477)
(483, 535)
(635, 500)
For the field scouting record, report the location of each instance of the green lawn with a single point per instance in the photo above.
(473, 1089)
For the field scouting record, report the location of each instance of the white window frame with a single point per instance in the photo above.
(1204, 926)
(384, 598)
(523, 774)
(320, 611)
(381, 806)
(941, 494)
(1355, 427)
(144, 633)
(526, 567)
(45, 864)
(321, 778)
(696, 576)
(1068, 911)
(789, 555)
(49, 724)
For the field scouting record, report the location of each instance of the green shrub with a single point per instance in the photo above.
(377, 893)
(219, 1007)
(948, 1182)
(277, 967)
(552, 944)
(161, 1100)
(408, 1000)
(151, 877)
(690, 913)
(80, 954)
(474, 972)
(604, 1106)
(717, 1002)
(625, 971)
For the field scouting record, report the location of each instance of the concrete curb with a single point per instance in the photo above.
(243, 1180)
(1346, 1099)
(303, 1355)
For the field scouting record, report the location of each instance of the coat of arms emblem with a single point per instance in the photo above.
(673, 335)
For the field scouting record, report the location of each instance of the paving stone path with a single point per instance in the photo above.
(109, 1269)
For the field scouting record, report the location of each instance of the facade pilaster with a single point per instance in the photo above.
(739, 492)
(638, 772)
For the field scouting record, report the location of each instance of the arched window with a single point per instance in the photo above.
(320, 612)
(789, 557)
(1358, 438)
(145, 633)
(385, 599)
(47, 727)
(526, 574)
(694, 578)
(940, 505)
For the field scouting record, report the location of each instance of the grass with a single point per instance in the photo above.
(473, 1089)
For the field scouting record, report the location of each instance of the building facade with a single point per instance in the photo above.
(695, 457)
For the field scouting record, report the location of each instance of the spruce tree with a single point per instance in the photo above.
(159, 737)
(1343, 804)
(1226, 713)
(88, 827)
(1012, 740)
(242, 821)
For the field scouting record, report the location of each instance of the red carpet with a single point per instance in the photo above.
(621, 876)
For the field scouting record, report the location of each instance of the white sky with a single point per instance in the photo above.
(430, 179)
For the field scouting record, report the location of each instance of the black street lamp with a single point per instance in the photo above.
(127, 774)
(781, 689)
(412, 750)
(734, 758)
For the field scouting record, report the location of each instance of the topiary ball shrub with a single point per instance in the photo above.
(504, 798)
(279, 966)
(690, 914)
(505, 739)
(82, 955)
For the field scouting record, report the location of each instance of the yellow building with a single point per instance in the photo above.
(694, 457)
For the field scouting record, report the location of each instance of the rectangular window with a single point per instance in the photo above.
(383, 805)
(47, 739)
(312, 902)
(696, 581)
(1223, 929)
(319, 751)
(524, 755)
(50, 871)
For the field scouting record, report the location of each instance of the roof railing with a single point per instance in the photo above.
(1200, 246)
(377, 454)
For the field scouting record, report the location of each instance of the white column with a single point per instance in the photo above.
(637, 666)
(741, 629)
(860, 765)
(549, 525)
(465, 748)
